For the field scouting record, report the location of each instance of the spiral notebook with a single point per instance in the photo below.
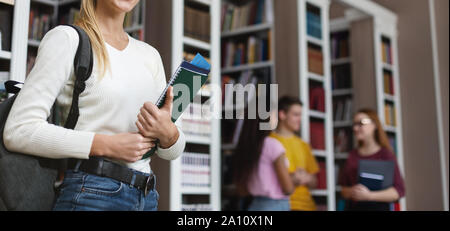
(189, 74)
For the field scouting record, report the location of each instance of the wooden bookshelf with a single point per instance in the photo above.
(314, 69)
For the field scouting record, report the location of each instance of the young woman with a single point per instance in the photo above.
(261, 169)
(373, 144)
(118, 122)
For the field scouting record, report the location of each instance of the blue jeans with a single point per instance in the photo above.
(81, 191)
(268, 204)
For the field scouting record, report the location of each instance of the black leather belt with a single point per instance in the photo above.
(101, 167)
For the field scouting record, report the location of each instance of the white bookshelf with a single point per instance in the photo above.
(306, 76)
(179, 42)
(386, 27)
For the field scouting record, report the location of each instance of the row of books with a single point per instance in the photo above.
(39, 25)
(390, 114)
(341, 77)
(246, 77)
(315, 60)
(388, 83)
(386, 51)
(342, 109)
(31, 58)
(196, 207)
(71, 17)
(317, 133)
(342, 140)
(4, 76)
(340, 45)
(6, 15)
(196, 121)
(317, 98)
(322, 176)
(255, 49)
(313, 24)
(254, 12)
(195, 170)
(393, 143)
(197, 24)
(134, 17)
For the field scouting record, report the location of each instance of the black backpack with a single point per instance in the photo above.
(28, 182)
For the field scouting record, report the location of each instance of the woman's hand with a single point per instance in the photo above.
(157, 123)
(361, 193)
(128, 147)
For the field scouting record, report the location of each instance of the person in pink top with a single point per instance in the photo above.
(260, 169)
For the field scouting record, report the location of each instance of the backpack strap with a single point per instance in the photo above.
(83, 64)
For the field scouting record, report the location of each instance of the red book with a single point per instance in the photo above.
(391, 84)
(322, 176)
(317, 132)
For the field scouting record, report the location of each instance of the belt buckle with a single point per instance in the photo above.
(150, 180)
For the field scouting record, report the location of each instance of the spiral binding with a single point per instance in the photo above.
(171, 81)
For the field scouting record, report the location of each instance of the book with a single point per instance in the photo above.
(376, 174)
(322, 176)
(195, 170)
(315, 60)
(317, 98)
(252, 13)
(186, 74)
(6, 16)
(317, 131)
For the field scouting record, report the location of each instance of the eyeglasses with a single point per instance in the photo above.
(362, 122)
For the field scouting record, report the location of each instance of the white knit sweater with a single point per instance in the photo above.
(107, 106)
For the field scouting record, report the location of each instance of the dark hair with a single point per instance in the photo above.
(380, 135)
(246, 156)
(285, 103)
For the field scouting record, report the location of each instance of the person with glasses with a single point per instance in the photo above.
(372, 144)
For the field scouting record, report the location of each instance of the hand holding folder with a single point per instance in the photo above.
(191, 76)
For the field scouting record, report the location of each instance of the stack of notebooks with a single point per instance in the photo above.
(314, 25)
(255, 49)
(39, 25)
(195, 170)
(389, 114)
(388, 83)
(196, 121)
(197, 24)
(342, 108)
(254, 12)
(315, 60)
(317, 133)
(340, 45)
(196, 207)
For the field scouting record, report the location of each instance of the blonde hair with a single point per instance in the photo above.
(88, 22)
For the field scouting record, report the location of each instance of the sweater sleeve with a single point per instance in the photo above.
(174, 151)
(26, 129)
